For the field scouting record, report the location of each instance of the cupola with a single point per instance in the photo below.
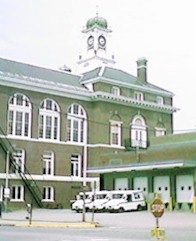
(97, 22)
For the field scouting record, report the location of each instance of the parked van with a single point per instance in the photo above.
(80, 201)
(125, 200)
(100, 198)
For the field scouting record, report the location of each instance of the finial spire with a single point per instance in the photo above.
(97, 10)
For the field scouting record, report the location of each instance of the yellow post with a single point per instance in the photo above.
(170, 204)
(194, 204)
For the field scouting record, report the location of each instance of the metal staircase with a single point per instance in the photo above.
(25, 175)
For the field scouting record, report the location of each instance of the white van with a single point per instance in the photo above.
(125, 200)
(80, 201)
(100, 198)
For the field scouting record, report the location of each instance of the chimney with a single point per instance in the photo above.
(141, 70)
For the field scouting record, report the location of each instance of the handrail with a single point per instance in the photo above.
(29, 182)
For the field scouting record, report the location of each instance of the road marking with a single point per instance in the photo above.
(99, 239)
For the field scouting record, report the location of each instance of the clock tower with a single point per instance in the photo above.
(96, 54)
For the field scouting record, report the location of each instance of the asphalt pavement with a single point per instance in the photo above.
(69, 218)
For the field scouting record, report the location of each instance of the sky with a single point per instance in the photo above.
(47, 33)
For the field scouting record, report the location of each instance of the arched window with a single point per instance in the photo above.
(19, 116)
(138, 132)
(49, 120)
(76, 124)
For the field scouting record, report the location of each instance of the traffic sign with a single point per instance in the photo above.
(157, 208)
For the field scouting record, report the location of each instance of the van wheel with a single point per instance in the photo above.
(121, 210)
(139, 208)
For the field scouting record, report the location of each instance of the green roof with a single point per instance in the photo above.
(118, 75)
(27, 70)
(91, 74)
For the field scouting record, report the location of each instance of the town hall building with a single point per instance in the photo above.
(61, 131)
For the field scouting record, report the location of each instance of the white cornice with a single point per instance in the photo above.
(138, 167)
(133, 102)
(127, 85)
(53, 178)
(53, 88)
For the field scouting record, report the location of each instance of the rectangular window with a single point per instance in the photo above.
(138, 137)
(19, 100)
(81, 131)
(41, 126)
(75, 109)
(55, 127)
(11, 119)
(159, 100)
(48, 163)
(116, 91)
(48, 194)
(76, 165)
(139, 96)
(26, 129)
(48, 127)
(115, 130)
(160, 132)
(75, 130)
(48, 104)
(69, 130)
(17, 193)
(18, 127)
(19, 158)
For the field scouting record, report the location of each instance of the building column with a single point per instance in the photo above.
(194, 196)
(172, 201)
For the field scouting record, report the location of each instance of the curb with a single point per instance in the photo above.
(50, 224)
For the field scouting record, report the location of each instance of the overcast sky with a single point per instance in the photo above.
(48, 33)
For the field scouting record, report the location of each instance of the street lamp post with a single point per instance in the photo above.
(7, 190)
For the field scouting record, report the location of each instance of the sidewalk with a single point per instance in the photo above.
(45, 218)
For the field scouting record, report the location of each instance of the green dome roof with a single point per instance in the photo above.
(97, 21)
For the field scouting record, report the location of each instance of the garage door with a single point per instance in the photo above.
(141, 183)
(184, 188)
(121, 183)
(162, 186)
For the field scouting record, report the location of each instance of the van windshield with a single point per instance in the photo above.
(117, 196)
(100, 196)
(86, 197)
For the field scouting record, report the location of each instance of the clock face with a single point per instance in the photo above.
(102, 41)
(90, 41)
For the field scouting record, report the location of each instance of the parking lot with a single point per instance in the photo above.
(137, 225)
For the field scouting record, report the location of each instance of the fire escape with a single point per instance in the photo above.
(24, 174)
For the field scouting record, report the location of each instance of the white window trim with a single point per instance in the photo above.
(48, 157)
(119, 124)
(115, 90)
(138, 130)
(138, 96)
(52, 194)
(19, 155)
(76, 162)
(1, 193)
(24, 110)
(53, 114)
(160, 130)
(22, 194)
(79, 118)
(160, 100)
